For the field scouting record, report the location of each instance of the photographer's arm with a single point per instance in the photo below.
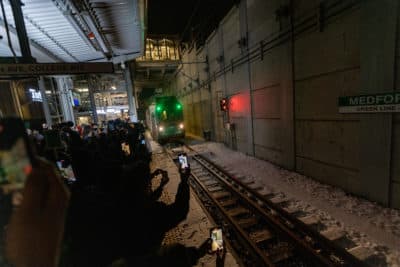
(178, 211)
(156, 194)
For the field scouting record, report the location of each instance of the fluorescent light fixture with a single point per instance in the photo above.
(81, 90)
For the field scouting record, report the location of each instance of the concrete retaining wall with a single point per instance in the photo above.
(287, 98)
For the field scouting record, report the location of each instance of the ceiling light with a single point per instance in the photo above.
(91, 35)
(95, 31)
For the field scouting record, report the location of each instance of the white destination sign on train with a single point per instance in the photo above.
(55, 68)
(386, 102)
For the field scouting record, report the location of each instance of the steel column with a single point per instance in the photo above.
(129, 90)
(91, 87)
(65, 99)
(21, 30)
(45, 104)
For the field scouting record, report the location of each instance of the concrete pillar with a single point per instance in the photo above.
(92, 88)
(16, 102)
(244, 34)
(45, 103)
(129, 90)
(377, 58)
(65, 98)
(287, 96)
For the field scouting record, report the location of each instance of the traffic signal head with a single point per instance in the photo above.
(223, 103)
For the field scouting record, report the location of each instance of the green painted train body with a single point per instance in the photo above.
(165, 119)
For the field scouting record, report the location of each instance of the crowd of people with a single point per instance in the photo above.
(113, 214)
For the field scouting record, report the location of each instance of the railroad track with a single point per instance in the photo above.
(262, 230)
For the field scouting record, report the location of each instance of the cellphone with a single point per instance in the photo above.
(183, 162)
(126, 149)
(16, 158)
(217, 242)
(66, 170)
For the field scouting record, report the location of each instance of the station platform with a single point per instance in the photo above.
(194, 230)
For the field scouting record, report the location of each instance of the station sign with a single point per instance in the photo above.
(36, 96)
(37, 69)
(376, 103)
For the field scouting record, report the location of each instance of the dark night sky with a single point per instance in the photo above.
(172, 16)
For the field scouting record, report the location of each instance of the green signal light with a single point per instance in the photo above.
(158, 108)
(178, 106)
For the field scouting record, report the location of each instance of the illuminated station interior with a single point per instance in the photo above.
(289, 108)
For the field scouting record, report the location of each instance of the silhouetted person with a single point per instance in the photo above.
(150, 219)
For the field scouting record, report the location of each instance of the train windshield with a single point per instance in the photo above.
(170, 115)
(168, 109)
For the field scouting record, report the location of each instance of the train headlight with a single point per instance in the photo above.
(161, 129)
(181, 126)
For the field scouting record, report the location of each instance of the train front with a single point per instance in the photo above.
(169, 116)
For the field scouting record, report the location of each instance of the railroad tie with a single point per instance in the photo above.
(361, 253)
(260, 236)
(237, 211)
(278, 200)
(247, 222)
(268, 195)
(333, 233)
(229, 202)
(205, 178)
(219, 195)
(291, 209)
(215, 189)
(309, 220)
(248, 182)
(256, 187)
(211, 182)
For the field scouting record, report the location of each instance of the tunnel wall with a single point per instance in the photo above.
(395, 166)
(284, 101)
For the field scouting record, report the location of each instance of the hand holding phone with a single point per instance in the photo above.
(183, 162)
(16, 159)
(217, 242)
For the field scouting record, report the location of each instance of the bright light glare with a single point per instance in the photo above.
(181, 126)
(161, 129)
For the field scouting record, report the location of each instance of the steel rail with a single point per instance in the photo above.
(273, 222)
(231, 220)
(286, 219)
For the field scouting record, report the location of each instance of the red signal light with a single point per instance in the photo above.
(223, 103)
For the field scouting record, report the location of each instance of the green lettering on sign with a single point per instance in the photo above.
(385, 102)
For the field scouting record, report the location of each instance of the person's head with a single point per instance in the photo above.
(86, 130)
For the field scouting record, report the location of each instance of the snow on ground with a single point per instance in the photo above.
(368, 224)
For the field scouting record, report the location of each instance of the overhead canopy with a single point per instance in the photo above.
(79, 30)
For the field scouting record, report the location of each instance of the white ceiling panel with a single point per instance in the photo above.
(61, 27)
